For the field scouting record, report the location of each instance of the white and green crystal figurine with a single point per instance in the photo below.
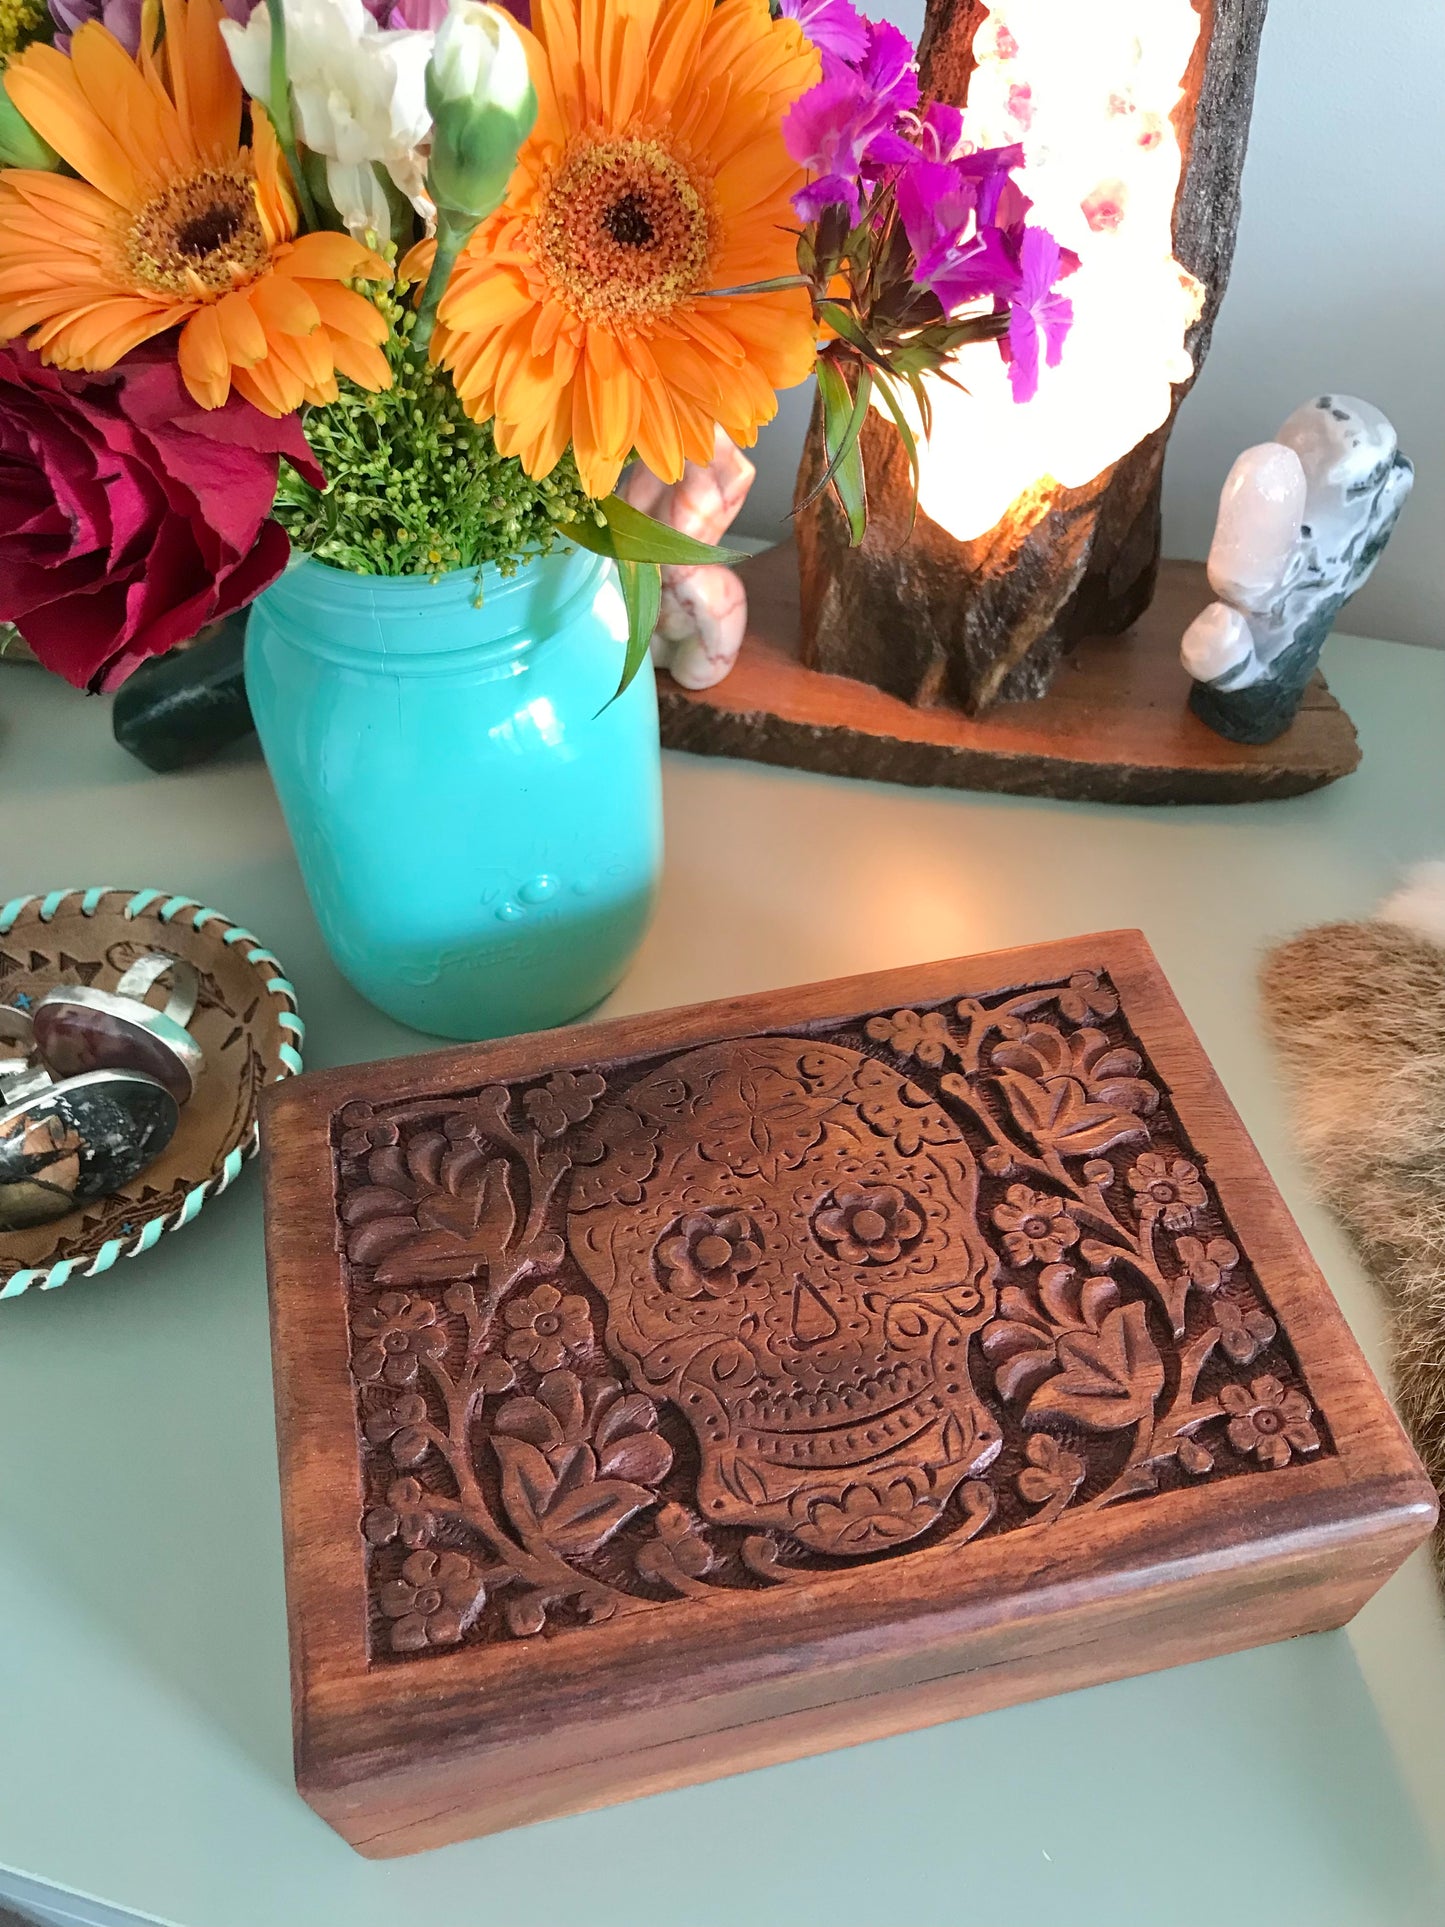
(1302, 522)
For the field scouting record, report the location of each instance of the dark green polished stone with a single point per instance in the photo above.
(187, 706)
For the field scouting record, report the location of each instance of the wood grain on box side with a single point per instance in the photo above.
(663, 1590)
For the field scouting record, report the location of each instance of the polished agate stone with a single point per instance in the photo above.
(78, 1030)
(62, 1147)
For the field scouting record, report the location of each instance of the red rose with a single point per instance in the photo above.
(129, 516)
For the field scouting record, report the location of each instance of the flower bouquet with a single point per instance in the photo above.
(396, 292)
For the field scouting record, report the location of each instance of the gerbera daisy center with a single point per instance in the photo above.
(201, 236)
(624, 229)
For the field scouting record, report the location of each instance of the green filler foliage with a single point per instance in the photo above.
(413, 486)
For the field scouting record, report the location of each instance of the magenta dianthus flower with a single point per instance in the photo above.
(836, 29)
(1038, 316)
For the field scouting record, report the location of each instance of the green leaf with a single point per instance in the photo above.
(837, 411)
(906, 436)
(779, 281)
(280, 110)
(843, 418)
(631, 536)
(925, 404)
(844, 324)
(642, 593)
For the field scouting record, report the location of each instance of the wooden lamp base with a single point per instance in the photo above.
(1114, 728)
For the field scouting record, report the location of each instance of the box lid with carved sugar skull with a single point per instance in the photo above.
(668, 1396)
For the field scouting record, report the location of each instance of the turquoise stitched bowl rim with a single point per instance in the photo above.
(166, 912)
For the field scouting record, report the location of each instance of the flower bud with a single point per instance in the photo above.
(482, 104)
(20, 145)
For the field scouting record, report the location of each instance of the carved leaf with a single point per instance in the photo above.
(635, 1413)
(582, 1520)
(372, 1241)
(458, 1227)
(369, 1202)
(424, 1154)
(1017, 1376)
(561, 1393)
(1058, 1115)
(575, 1466)
(1101, 1256)
(643, 1457)
(1110, 1378)
(387, 1167)
(459, 1166)
(526, 1418)
(528, 1482)
(440, 1211)
(1127, 1093)
(425, 1257)
(477, 1206)
(1074, 1306)
(1120, 1062)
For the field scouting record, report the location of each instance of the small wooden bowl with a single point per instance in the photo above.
(245, 1022)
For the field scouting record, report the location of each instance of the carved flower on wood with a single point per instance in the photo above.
(1036, 1226)
(577, 1461)
(1244, 1330)
(1052, 1472)
(679, 1547)
(364, 1131)
(398, 1333)
(432, 1601)
(924, 1035)
(1271, 1420)
(544, 1326)
(871, 1514)
(401, 1426)
(1086, 997)
(1208, 1264)
(1077, 1094)
(1167, 1188)
(404, 1516)
(565, 1099)
(868, 1224)
(708, 1253)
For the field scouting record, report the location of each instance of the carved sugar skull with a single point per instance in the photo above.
(786, 1237)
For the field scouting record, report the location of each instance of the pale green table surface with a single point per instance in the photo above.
(144, 1721)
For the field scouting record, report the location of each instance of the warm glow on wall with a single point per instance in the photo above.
(1089, 90)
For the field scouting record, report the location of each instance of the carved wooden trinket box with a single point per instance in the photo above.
(674, 1395)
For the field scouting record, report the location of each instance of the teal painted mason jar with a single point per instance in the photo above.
(478, 824)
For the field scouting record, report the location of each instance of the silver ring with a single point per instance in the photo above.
(180, 1007)
(20, 1078)
(78, 1029)
(16, 1027)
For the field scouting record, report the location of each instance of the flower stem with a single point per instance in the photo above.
(453, 232)
(281, 114)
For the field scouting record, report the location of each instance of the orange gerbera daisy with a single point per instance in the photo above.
(656, 171)
(173, 222)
